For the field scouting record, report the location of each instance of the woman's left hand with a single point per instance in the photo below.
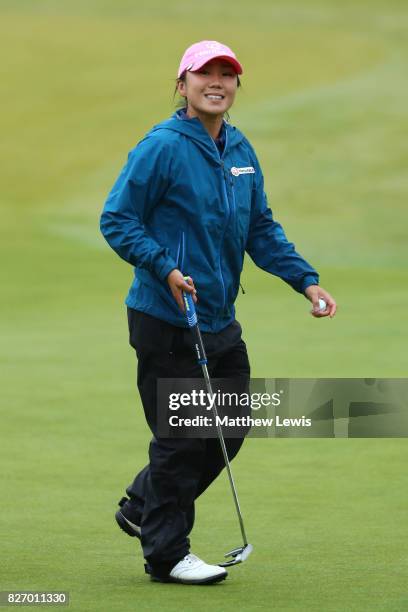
(314, 293)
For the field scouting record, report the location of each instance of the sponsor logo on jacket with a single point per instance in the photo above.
(247, 170)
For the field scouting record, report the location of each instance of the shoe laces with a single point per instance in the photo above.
(190, 558)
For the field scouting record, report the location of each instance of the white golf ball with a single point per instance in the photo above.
(322, 304)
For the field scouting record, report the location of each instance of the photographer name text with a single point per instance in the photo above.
(242, 421)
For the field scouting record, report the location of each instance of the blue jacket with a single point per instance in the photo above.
(178, 203)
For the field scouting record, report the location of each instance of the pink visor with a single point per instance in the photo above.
(204, 51)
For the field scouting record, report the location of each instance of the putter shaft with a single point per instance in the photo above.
(224, 452)
(192, 321)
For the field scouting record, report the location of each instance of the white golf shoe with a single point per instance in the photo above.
(192, 570)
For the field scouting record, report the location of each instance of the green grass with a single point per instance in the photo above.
(324, 102)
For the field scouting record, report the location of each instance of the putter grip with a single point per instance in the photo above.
(191, 316)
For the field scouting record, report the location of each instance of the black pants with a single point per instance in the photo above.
(180, 469)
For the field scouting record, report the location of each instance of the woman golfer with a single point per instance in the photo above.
(190, 201)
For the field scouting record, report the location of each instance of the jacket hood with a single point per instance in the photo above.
(194, 129)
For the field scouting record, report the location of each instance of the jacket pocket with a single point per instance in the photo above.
(241, 209)
(181, 251)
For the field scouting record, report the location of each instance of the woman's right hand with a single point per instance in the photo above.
(177, 285)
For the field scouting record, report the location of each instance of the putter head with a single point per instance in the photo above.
(238, 555)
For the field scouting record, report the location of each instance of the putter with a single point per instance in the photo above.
(240, 554)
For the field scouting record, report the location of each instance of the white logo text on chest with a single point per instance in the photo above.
(247, 170)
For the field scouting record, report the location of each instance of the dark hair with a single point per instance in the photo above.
(181, 103)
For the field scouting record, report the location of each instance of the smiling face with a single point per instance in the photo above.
(210, 91)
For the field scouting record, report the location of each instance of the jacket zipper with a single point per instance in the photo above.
(224, 175)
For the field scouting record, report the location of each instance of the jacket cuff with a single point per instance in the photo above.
(164, 266)
(309, 280)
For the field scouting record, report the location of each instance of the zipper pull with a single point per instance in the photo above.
(242, 289)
